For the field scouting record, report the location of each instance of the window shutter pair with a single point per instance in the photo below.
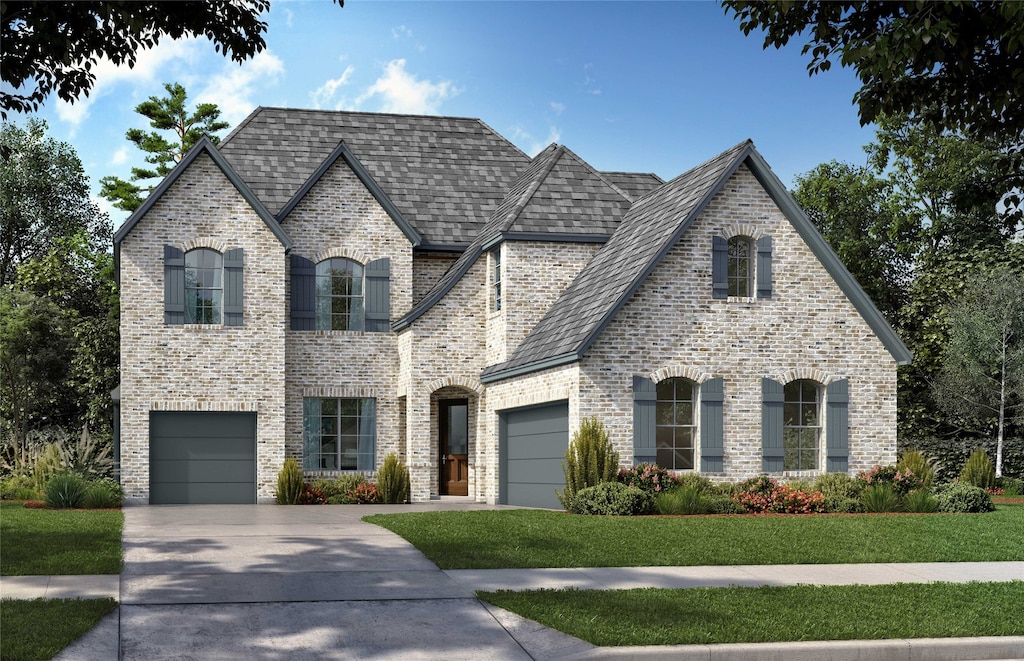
(174, 286)
(377, 293)
(837, 428)
(712, 430)
(720, 267)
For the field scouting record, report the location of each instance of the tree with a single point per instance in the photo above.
(164, 114)
(982, 375)
(44, 196)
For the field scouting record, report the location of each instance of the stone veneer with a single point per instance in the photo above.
(201, 367)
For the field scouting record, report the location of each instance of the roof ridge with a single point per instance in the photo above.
(644, 199)
(593, 171)
(242, 124)
(376, 114)
(535, 184)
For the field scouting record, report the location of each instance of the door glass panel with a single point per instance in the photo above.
(458, 429)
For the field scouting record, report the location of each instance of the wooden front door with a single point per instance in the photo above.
(453, 426)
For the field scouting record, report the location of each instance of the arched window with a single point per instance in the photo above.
(741, 266)
(801, 427)
(676, 423)
(204, 286)
(339, 295)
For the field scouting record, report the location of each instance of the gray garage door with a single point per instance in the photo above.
(533, 445)
(202, 457)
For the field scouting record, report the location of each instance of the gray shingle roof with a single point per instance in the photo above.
(446, 175)
(646, 234)
(636, 184)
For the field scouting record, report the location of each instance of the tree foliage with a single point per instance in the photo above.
(166, 114)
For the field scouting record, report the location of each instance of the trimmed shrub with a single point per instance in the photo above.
(65, 490)
(756, 494)
(393, 480)
(789, 500)
(963, 498)
(652, 478)
(880, 497)
(365, 493)
(687, 499)
(719, 504)
(915, 462)
(920, 502)
(611, 498)
(843, 505)
(590, 460)
(340, 499)
(289, 483)
(102, 494)
(838, 486)
(979, 470)
(16, 487)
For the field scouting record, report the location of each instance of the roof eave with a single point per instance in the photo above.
(529, 368)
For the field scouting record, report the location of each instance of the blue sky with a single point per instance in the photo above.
(634, 86)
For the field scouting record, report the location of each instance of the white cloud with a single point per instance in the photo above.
(589, 86)
(289, 17)
(400, 91)
(401, 32)
(531, 145)
(233, 87)
(324, 94)
(120, 156)
(557, 108)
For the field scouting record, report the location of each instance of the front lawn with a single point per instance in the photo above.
(44, 542)
(656, 616)
(41, 628)
(538, 538)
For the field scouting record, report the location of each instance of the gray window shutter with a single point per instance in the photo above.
(719, 267)
(233, 263)
(764, 267)
(311, 434)
(712, 432)
(365, 454)
(303, 274)
(771, 426)
(837, 426)
(645, 397)
(174, 285)
(378, 295)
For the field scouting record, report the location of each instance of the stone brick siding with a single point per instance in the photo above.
(427, 269)
(201, 367)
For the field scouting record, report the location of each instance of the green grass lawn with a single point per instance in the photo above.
(539, 538)
(657, 616)
(39, 629)
(42, 542)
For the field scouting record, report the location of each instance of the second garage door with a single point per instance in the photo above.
(202, 457)
(533, 445)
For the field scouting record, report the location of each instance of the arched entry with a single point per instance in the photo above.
(453, 412)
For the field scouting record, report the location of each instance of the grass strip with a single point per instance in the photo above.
(658, 616)
(537, 538)
(41, 628)
(44, 542)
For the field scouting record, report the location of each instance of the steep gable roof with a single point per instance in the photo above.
(204, 146)
(636, 184)
(653, 225)
(444, 175)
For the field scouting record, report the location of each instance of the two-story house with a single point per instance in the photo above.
(336, 286)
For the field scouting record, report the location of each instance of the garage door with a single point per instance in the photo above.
(533, 445)
(202, 457)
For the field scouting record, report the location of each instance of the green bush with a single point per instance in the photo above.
(979, 470)
(336, 490)
(687, 499)
(289, 483)
(393, 480)
(920, 465)
(590, 460)
(838, 486)
(720, 504)
(799, 485)
(48, 464)
(951, 454)
(16, 486)
(963, 498)
(65, 490)
(757, 494)
(652, 478)
(843, 505)
(920, 502)
(1011, 486)
(89, 457)
(102, 494)
(880, 497)
(701, 482)
(611, 498)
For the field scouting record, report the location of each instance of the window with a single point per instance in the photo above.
(675, 427)
(741, 266)
(204, 286)
(339, 295)
(801, 431)
(496, 257)
(339, 434)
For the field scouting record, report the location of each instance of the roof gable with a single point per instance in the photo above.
(204, 145)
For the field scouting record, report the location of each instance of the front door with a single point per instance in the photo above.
(453, 425)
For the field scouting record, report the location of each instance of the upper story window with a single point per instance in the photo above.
(801, 431)
(676, 423)
(741, 266)
(204, 286)
(496, 259)
(339, 295)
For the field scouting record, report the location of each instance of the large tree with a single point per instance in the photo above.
(171, 115)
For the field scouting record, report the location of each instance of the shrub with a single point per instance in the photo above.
(790, 500)
(719, 504)
(1012, 486)
(16, 486)
(880, 497)
(652, 478)
(799, 485)
(312, 495)
(951, 453)
(339, 486)
(393, 480)
(979, 470)
(47, 465)
(902, 482)
(365, 493)
(340, 499)
(963, 498)
(920, 502)
(915, 462)
(756, 494)
(701, 482)
(65, 490)
(843, 505)
(102, 494)
(687, 499)
(289, 483)
(838, 486)
(89, 457)
(611, 498)
(590, 459)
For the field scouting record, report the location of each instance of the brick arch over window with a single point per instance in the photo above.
(345, 253)
(812, 373)
(376, 290)
(230, 304)
(213, 243)
(710, 423)
(759, 264)
(836, 404)
(742, 229)
(457, 382)
(684, 371)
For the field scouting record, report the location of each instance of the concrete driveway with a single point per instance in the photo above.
(266, 582)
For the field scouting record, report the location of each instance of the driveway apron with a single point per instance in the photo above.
(266, 582)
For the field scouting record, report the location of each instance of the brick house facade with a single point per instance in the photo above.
(337, 286)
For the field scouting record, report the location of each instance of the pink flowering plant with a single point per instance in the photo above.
(765, 494)
(902, 481)
(757, 494)
(364, 494)
(797, 501)
(648, 477)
